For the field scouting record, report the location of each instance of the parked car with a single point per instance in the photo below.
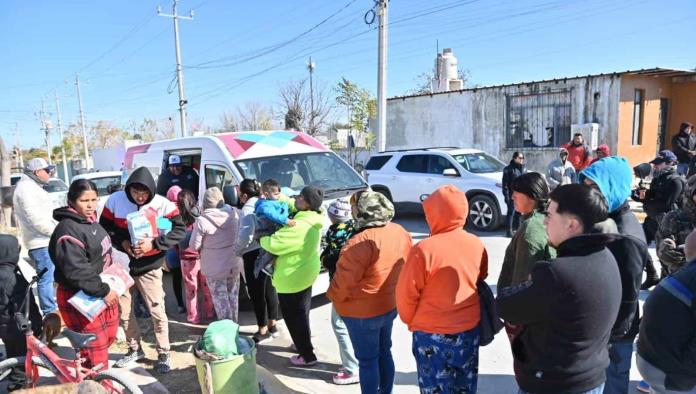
(107, 182)
(58, 191)
(407, 176)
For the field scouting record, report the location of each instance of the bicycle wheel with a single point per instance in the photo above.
(116, 382)
(18, 362)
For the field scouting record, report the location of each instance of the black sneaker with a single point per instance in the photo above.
(274, 331)
(163, 365)
(260, 338)
(130, 358)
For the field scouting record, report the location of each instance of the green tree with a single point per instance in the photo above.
(358, 101)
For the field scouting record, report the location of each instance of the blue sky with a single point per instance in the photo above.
(125, 53)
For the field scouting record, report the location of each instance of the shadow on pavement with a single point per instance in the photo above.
(277, 358)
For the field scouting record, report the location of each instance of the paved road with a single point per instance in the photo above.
(495, 369)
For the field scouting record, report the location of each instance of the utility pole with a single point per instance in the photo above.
(20, 162)
(82, 122)
(62, 141)
(310, 67)
(179, 71)
(382, 77)
(46, 125)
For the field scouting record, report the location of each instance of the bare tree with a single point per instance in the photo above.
(299, 111)
(228, 122)
(254, 116)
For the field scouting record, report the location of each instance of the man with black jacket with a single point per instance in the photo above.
(511, 172)
(667, 340)
(684, 147)
(613, 177)
(664, 194)
(568, 307)
(146, 260)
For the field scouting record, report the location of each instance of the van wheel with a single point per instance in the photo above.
(484, 214)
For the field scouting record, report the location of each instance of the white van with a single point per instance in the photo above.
(292, 158)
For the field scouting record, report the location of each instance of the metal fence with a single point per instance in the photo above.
(538, 119)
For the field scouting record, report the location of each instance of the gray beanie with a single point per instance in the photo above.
(213, 198)
(340, 210)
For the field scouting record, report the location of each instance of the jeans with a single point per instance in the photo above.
(596, 390)
(371, 338)
(513, 217)
(345, 347)
(618, 372)
(656, 378)
(47, 294)
(295, 308)
(448, 362)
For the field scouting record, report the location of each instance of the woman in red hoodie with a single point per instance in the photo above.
(439, 282)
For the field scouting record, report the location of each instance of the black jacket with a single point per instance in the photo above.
(511, 172)
(667, 337)
(187, 180)
(631, 254)
(13, 287)
(682, 143)
(120, 204)
(79, 248)
(664, 193)
(567, 310)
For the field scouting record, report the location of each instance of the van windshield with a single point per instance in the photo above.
(323, 169)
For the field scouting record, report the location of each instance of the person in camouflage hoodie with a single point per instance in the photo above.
(674, 229)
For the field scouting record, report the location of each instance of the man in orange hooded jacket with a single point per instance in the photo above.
(579, 154)
(436, 295)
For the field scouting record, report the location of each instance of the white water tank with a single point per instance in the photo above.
(446, 76)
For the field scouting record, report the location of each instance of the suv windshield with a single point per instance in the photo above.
(55, 185)
(479, 162)
(104, 183)
(324, 170)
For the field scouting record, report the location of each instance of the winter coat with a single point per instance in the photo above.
(297, 251)
(665, 192)
(215, 237)
(247, 228)
(511, 172)
(674, 228)
(667, 337)
(529, 245)
(682, 143)
(32, 206)
(79, 248)
(337, 236)
(187, 180)
(560, 173)
(578, 155)
(120, 204)
(276, 211)
(567, 310)
(437, 291)
(13, 287)
(613, 176)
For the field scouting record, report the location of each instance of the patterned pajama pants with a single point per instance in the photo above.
(225, 292)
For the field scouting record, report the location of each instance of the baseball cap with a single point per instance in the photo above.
(174, 160)
(39, 163)
(665, 156)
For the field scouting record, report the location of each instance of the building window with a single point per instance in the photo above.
(539, 119)
(638, 98)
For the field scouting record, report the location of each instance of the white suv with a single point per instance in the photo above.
(406, 176)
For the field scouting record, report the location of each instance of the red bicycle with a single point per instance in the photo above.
(39, 355)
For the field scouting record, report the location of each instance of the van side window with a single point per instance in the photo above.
(220, 176)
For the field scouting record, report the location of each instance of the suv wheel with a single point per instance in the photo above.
(484, 214)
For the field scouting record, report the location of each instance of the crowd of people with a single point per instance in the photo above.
(568, 291)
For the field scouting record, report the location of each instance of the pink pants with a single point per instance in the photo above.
(193, 280)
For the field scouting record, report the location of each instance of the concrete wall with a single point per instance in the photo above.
(477, 118)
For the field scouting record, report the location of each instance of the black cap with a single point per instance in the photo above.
(314, 196)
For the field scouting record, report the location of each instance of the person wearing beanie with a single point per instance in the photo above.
(296, 268)
(215, 237)
(560, 171)
(341, 229)
(364, 286)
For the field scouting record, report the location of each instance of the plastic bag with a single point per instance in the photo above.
(220, 338)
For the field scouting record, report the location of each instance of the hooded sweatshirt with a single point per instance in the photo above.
(578, 155)
(13, 287)
(297, 251)
(79, 248)
(368, 267)
(613, 176)
(120, 204)
(560, 172)
(437, 292)
(215, 237)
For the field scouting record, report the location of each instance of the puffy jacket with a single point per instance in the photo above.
(297, 250)
(437, 291)
(560, 173)
(215, 237)
(32, 207)
(676, 226)
(120, 204)
(567, 310)
(276, 211)
(368, 268)
(510, 173)
(682, 143)
(79, 248)
(13, 287)
(578, 155)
